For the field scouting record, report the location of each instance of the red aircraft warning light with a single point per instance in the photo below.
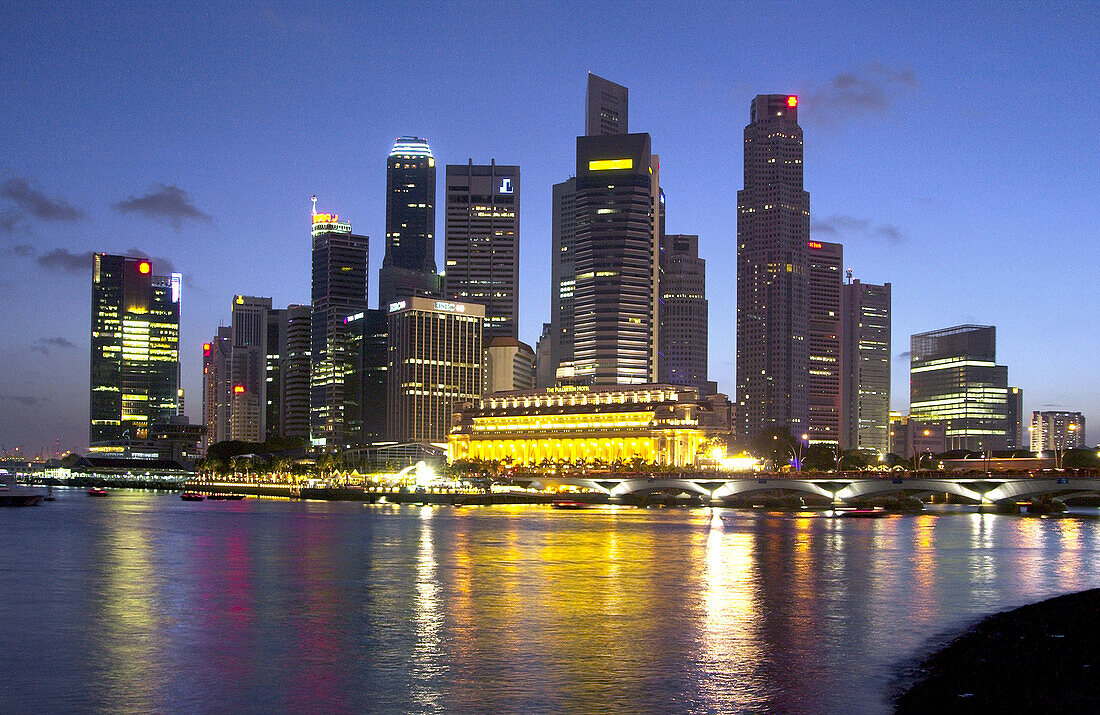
(792, 101)
(144, 267)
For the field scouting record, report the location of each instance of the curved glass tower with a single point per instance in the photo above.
(408, 267)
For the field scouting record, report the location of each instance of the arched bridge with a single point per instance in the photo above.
(839, 489)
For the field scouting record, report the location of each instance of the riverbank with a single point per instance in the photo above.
(1038, 658)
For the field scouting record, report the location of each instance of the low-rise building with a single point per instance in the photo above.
(668, 425)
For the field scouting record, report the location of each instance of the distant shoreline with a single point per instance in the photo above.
(1043, 657)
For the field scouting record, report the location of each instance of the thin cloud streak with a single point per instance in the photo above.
(869, 91)
(36, 203)
(163, 202)
(838, 225)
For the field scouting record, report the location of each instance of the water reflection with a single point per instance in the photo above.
(275, 606)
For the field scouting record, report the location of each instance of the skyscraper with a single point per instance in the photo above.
(248, 411)
(605, 107)
(481, 249)
(1052, 431)
(683, 311)
(217, 357)
(435, 364)
(955, 382)
(1015, 435)
(563, 276)
(865, 366)
(825, 262)
(339, 291)
(605, 113)
(368, 350)
(616, 260)
(773, 227)
(288, 337)
(408, 267)
(134, 348)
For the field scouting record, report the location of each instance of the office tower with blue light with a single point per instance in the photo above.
(408, 267)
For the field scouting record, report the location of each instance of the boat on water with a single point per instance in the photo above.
(568, 504)
(14, 494)
(863, 514)
(191, 496)
(97, 492)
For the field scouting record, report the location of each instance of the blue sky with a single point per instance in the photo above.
(950, 147)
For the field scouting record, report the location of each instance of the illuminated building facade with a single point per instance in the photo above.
(659, 424)
(481, 249)
(287, 372)
(1056, 431)
(825, 263)
(773, 230)
(865, 366)
(683, 313)
(408, 267)
(954, 381)
(134, 348)
(435, 363)
(616, 261)
(339, 291)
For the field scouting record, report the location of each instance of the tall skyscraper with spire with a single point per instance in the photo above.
(773, 229)
(408, 267)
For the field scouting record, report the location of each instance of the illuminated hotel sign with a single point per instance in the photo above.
(609, 164)
(238, 389)
(568, 388)
(450, 307)
(814, 244)
(326, 218)
(505, 186)
(394, 307)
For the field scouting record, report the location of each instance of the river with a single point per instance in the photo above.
(141, 602)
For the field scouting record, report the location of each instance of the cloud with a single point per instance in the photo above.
(838, 225)
(34, 202)
(24, 400)
(22, 250)
(870, 90)
(60, 259)
(162, 201)
(10, 221)
(43, 345)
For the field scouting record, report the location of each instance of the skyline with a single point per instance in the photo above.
(110, 162)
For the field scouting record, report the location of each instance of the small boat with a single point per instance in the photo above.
(191, 496)
(568, 504)
(864, 513)
(49, 494)
(97, 492)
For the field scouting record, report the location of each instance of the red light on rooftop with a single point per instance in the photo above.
(206, 349)
(238, 389)
(144, 267)
(792, 101)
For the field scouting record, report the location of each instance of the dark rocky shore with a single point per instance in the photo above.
(1041, 658)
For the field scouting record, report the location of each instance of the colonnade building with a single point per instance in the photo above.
(658, 423)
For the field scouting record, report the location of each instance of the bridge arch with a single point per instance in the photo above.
(864, 489)
(746, 487)
(639, 486)
(1028, 488)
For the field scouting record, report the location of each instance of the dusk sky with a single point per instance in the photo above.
(952, 149)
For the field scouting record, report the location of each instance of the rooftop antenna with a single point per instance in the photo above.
(848, 275)
(314, 199)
